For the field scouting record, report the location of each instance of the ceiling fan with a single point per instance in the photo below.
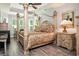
(33, 5)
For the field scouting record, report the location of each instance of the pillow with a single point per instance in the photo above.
(47, 28)
(37, 29)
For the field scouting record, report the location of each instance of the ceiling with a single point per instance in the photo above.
(17, 7)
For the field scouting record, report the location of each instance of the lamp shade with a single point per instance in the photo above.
(64, 22)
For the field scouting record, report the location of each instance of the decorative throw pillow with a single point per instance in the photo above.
(50, 28)
(37, 29)
(45, 27)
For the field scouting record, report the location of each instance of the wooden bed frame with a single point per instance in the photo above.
(47, 38)
(25, 24)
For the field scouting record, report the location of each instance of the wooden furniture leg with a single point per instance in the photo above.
(5, 47)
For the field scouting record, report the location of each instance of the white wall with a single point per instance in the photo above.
(10, 21)
(67, 8)
(4, 13)
(44, 13)
(4, 9)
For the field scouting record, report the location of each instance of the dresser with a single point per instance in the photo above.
(3, 26)
(66, 40)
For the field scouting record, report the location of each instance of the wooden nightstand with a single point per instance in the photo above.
(67, 40)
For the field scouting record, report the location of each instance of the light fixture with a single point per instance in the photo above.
(64, 24)
(30, 8)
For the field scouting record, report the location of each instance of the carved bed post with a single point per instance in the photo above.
(17, 15)
(26, 50)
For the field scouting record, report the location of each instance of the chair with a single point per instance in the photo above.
(3, 38)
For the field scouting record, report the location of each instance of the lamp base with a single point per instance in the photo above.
(64, 29)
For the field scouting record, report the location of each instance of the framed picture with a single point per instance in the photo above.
(68, 16)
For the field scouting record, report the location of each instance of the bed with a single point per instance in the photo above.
(36, 39)
(42, 35)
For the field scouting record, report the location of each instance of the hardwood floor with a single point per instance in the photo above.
(15, 49)
(12, 49)
(51, 50)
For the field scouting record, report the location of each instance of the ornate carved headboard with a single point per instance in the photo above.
(45, 27)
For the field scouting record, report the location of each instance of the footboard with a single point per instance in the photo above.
(36, 39)
(40, 39)
(21, 39)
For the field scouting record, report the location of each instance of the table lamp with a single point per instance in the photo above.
(64, 24)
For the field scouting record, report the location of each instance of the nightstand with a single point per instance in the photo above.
(66, 40)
